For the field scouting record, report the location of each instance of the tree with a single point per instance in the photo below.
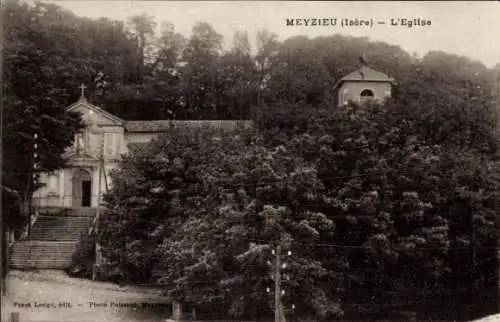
(299, 74)
(142, 28)
(212, 216)
(267, 48)
(413, 209)
(407, 181)
(241, 44)
(236, 75)
(32, 104)
(201, 93)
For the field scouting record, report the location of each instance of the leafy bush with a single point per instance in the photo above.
(413, 194)
(83, 258)
(210, 208)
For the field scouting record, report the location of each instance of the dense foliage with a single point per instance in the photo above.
(210, 209)
(379, 204)
(413, 187)
(34, 103)
(374, 210)
(405, 205)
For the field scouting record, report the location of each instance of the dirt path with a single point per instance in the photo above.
(53, 296)
(491, 318)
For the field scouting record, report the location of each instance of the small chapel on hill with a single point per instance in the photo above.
(362, 85)
(97, 149)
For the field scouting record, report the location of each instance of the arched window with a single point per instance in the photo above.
(344, 97)
(366, 95)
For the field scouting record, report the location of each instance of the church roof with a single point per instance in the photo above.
(147, 126)
(164, 125)
(158, 126)
(83, 101)
(367, 74)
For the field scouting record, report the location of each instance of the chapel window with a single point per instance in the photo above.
(344, 97)
(366, 94)
(80, 141)
(109, 143)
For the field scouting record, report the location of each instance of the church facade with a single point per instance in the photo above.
(96, 152)
(106, 137)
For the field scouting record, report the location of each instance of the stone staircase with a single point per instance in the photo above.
(52, 240)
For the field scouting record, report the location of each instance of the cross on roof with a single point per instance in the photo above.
(362, 60)
(82, 88)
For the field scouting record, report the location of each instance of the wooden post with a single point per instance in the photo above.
(98, 213)
(14, 317)
(176, 311)
(193, 314)
(3, 258)
(30, 201)
(5, 246)
(498, 263)
(277, 287)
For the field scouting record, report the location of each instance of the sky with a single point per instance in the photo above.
(459, 27)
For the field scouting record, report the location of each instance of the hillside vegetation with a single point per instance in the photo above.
(384, 208)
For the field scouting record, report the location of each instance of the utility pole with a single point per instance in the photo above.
(277, 266)
(3, 254)
(97, 251)
(34, 180)
(96, 227)
(277, 286)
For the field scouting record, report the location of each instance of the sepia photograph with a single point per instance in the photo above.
(272, 161)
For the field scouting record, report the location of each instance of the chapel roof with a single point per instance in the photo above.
(82, 101)
(367, 74)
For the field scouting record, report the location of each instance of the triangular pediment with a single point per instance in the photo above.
(88, 110)
(72, 155)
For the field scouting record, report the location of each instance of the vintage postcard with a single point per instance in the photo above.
(250, 161)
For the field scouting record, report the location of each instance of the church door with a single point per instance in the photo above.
(82, 188)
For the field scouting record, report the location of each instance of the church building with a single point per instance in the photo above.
(97, 149)
(363, 85)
